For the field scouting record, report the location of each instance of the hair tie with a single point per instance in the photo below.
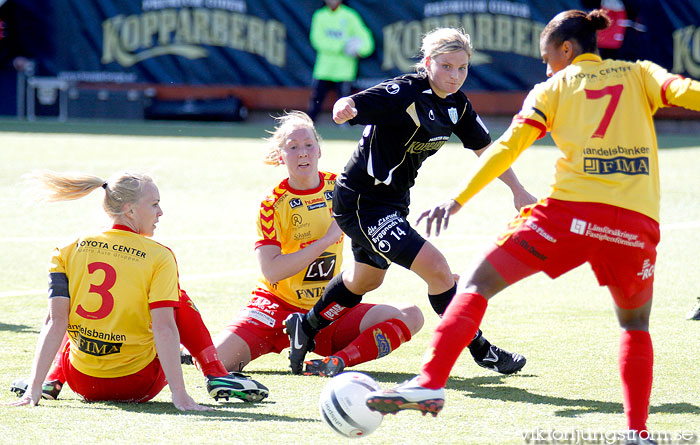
(104, 186)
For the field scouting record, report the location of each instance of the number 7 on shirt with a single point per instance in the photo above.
(614, 91)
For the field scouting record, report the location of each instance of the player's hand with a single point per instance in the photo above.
(522, 198)
(31, 397)
(184, 402)
(352, 46)
(344, 110)
(333, 234)
(440, 214)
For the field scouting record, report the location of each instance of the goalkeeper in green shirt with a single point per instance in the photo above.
(340, 38)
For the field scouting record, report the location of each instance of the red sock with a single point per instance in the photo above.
(636, 369)
(454, 333)
(56, 371)
(195, 336)
(375, 342)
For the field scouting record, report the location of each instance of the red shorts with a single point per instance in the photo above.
(260, 324)
(139, 387)
(556, 236)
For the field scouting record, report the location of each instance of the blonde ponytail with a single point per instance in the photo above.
(120, 189)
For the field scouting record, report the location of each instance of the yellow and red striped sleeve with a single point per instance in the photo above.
(675, 91)
(266, 225)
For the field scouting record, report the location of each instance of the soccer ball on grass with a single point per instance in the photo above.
(342, 404)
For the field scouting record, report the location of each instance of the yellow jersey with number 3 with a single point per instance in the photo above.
(293, 219)
(114, 279)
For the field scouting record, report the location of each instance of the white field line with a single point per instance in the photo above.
(183, 279)
(216, 275)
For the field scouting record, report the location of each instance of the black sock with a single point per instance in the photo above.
(479, 346)
(334, 302)
(439, 302)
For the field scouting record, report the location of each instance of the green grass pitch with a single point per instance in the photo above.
(211, 180)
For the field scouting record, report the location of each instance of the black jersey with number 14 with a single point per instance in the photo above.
(406, 123)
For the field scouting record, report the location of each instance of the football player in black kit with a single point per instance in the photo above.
(407, 119)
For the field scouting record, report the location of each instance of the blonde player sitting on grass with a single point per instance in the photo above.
(117, 314)
(299, 249)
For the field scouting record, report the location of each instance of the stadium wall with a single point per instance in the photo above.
(259, 50)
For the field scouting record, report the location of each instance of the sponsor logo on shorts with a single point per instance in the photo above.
(626, 166)
(383, 345)
(333, 312)
(321, 269)
(264, 305)
(617, 236)
(259, 316)
(578, 226)
(540, 231)
(384, 246)
(294, 203)
(647, 270)
(528, 248)
(605, 233)
(384, 226)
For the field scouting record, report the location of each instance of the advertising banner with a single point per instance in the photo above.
(266, 42)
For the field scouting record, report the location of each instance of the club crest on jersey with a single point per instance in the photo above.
(431, 115)
(294, 203)
(328, 195)
(452, 111)
(392, 88)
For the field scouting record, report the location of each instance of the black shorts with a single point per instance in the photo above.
(380, 233)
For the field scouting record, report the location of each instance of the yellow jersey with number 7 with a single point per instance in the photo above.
(599, 113)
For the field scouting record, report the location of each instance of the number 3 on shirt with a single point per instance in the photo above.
(102, 290)
(614, 91)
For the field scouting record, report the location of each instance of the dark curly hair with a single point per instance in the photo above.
(578, 26)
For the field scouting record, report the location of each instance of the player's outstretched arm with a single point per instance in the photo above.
(50, 339)
(276, 266)
(167, 339)
(439, 214)
(521, 197)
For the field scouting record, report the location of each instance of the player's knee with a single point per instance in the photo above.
(439, 279)
(412, 317)
(635, 324)
(362, 285)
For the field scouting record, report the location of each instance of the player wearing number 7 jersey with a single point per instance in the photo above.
(115, 300)
(603, 207)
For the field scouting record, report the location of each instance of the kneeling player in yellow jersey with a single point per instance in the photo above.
(300, 248)
(117, 314)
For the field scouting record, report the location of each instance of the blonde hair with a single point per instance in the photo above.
(286, 123)
(441, 41)
(120, 189)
